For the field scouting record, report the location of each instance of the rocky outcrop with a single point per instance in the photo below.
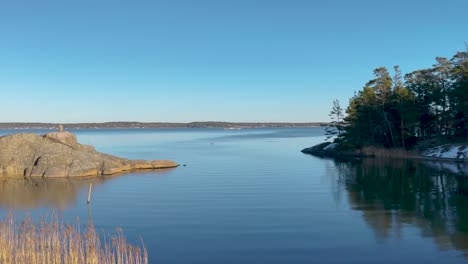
(448, 152)
(330, 150)
(58, 154)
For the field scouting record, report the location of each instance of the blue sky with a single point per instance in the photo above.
(174, 60)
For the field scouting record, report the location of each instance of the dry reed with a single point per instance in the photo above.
(381, 152)
(52, 241)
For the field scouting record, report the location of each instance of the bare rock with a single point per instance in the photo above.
(66, 138)
(58, 154)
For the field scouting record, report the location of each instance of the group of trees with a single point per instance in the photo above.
(395, 110)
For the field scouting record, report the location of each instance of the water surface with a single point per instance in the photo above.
(251, 196)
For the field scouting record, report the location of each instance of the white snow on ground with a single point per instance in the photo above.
(330, 146)
(458, 152)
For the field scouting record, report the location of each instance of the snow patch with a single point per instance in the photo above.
(458, 152)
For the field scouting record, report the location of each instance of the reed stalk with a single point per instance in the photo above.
(51, 241)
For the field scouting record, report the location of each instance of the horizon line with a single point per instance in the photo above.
(164, 122)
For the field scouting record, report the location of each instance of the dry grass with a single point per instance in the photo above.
(52, 241)
(381, 152)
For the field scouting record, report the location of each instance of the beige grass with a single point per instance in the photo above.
(381, 152)
(53, 242)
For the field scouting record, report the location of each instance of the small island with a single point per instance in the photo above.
(58, 154)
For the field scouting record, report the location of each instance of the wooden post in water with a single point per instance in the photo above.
(60, 128)
(89, 192)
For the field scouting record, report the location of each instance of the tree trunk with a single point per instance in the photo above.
(389, 126)
(401, 132)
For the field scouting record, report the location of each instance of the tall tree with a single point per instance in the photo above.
(420, 83)
(336, 125)
(442, 89)
(362, 119)
(382, 86)
(460, 92)
(404, 106)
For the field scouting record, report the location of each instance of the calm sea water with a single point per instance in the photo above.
(251, 196)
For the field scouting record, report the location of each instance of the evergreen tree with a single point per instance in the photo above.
(335, 127)
(459, 93)
(428, 103)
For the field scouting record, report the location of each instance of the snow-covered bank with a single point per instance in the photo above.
(458, 152)
(448, 152)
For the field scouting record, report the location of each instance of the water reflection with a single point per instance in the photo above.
(33, 193)
(398, 194)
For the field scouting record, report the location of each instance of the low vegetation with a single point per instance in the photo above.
(52, 241)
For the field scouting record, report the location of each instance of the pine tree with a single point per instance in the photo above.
(335, 128)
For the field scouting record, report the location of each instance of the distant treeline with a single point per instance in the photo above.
(155, 125)
(395, 111)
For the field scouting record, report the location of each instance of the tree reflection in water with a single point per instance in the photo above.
(392, 194)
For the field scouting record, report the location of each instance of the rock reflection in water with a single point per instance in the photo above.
(396, 194)
(60, 193)
(33, 193)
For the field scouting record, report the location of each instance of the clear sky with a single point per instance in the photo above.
(199, 60)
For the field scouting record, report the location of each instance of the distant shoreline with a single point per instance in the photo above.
(144, 125)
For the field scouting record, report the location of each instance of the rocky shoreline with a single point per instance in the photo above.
(447, 152)
(58, 155)
(328, 150)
